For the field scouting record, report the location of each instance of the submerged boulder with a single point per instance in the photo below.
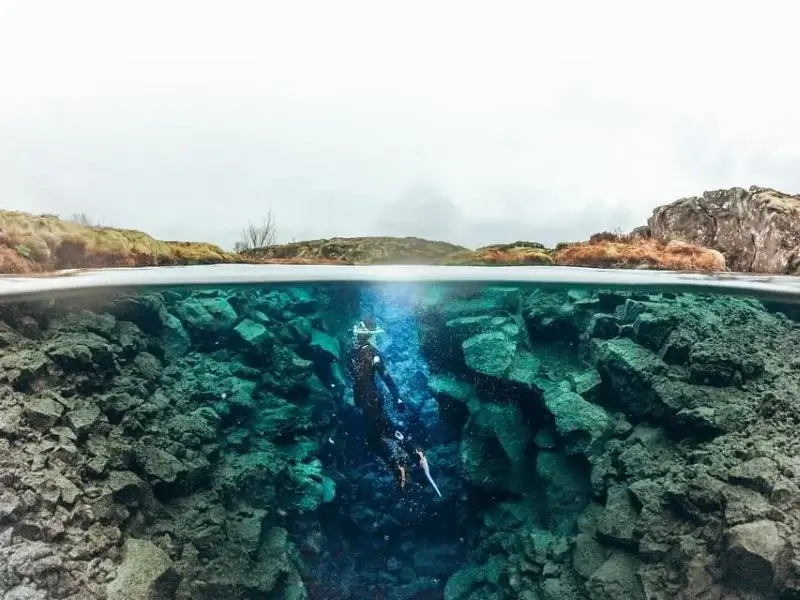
(756, 555)
(146, 572)
(326, 346)
(489, 353)
(253, 337)
(206, 315)
(579, 424)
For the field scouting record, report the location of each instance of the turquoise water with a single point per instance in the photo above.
(182, 433)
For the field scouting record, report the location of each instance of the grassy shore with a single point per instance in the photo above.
(41, 243)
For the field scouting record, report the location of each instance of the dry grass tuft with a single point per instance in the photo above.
(640, 253)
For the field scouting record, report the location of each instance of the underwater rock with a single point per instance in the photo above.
(587, 383)
(253, 337)
(603, 326)
(678, 346)
(174, 339)
(566, 489)
(755, 555)
(494, 450)
(525, 369)
(43, 412)
(617, 523)
(206, 315)
(579, 424)
(489, 353)
(722, 362)
(633, 373)
(492, 300)
(325, 346)
(651, 330)
(328, 489)
(616, 578)
(146, 572)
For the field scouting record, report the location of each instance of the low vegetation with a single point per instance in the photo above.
(364, 250)
(640, 253)
(518, 253)
(31, 243)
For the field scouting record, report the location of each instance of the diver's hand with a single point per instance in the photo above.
(401, 406)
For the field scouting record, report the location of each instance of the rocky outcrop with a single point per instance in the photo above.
(757, 230)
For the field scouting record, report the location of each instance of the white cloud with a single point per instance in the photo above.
(540, 120)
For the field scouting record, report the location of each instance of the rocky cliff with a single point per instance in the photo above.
(757, 230)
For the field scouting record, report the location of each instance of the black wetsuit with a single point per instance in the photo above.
(364, 363)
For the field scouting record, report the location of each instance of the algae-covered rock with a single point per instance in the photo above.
(634, 373)
(617, 523)
(42, 412)
(325, 345)
(253, 336)
(756, 555)
(146, 573)
(603, 326)
(462, 582)
(525, 369)
(452, 388)
(616, 578)
(579, 424)
(724, 362)
(328, 489)
(494, 448)
(206, 314)
(566, 489)
(491, 300)
(489, 353)
(175, 339)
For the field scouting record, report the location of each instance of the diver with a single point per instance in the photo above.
(383, 439)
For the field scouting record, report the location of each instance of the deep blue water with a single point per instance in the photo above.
(192, 433)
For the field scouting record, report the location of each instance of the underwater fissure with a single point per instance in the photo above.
(588, 444)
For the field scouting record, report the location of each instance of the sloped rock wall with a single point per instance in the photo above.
(649, 445)
(160, 445)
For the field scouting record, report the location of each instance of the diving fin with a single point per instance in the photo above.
(424, 463)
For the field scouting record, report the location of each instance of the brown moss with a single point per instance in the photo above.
(639, 253)
(12, 261)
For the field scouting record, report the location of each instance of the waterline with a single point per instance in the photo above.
(769, 287)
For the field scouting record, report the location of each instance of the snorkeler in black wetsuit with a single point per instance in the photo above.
(383, 439)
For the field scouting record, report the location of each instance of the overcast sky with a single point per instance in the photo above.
(469, 122)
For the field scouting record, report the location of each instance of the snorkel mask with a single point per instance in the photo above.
(361, 329)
